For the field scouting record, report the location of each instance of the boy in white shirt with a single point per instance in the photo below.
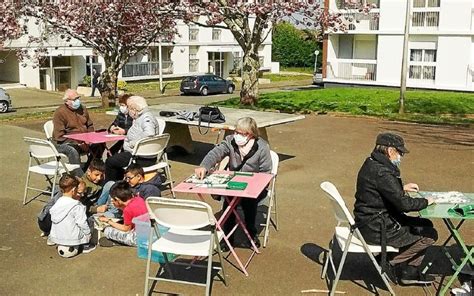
(70, 230)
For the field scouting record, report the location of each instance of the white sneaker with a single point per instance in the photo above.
(88, 248)
(49, 242)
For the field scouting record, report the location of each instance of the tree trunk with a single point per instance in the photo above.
(109, 84)
(249, 91)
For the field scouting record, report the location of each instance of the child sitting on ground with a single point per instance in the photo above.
(92, 178)
(69, 229)
(131, 206)
(143, 185)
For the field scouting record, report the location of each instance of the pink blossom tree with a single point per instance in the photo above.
(116, 30)
(10, 22)
(250, 23)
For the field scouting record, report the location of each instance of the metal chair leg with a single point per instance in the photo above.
(341, 265)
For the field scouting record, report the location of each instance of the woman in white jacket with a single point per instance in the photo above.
(144, 125)
(69, 229)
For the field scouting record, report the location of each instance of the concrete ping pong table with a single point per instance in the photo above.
(179, 128)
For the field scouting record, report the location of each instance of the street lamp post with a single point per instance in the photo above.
(316, 53)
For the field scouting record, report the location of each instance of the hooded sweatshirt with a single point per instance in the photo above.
(69, 222)
(149, 188)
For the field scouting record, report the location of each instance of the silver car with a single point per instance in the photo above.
(5, 101)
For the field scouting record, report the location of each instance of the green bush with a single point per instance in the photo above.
(122, 85)
(293, 47)
(86, 80)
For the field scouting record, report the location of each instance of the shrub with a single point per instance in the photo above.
(122, 85)
(86, 80)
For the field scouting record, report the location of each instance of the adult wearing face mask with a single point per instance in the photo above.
(122, 123)
(247, 152)
(144, 125)
(380, 207)
(72, 118)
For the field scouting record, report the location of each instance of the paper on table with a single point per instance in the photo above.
(112, 135)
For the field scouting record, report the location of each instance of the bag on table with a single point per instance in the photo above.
(210, 115)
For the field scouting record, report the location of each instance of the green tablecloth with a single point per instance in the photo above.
(441, 210)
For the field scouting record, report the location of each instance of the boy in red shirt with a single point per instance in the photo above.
(132, 206)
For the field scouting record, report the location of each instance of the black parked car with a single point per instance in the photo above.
(206, 84)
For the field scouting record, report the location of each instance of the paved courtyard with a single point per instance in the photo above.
(313, 150)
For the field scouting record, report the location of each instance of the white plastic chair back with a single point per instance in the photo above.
(161, 125)
(151, 146)
(275, 161)
(48, 129)
(340, 209)
(180, 213)
(40, 148)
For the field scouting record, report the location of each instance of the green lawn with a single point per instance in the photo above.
(307, 70)
(286, 77)
(420, 106)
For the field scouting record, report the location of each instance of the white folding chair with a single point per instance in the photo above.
(155, 146)
(48, 129)
(41, 151)
(161, 125)
(272, 201)
(184, 218)
(349, 238)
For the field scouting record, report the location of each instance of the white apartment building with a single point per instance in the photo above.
(440, 45)
(195, 50)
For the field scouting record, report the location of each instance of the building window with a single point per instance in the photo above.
(193, 59)
(426, 3)
(193, 34)
(425, 13)
(422, 64)
(216, 34)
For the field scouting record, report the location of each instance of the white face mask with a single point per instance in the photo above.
(397, 161)
(240, 140)
(123, 109)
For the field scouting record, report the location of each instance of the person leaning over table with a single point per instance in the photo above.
(380, 207)
(121, 124)
(72, 118)
(247, 153)
(144, 125)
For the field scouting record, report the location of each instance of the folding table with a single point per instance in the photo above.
(441, 211)
(256, 184)
(96, 138)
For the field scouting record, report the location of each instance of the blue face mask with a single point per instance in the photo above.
(76, 104)
(398, 161)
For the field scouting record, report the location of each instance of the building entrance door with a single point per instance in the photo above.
(216, 63)
(63, 79)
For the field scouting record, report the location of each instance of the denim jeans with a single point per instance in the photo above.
(104, 199)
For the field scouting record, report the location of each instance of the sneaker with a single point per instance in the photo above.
(105, 242)
(88, 248)
(224, 246)
(49, 242)
(248, 245)
(411, 275)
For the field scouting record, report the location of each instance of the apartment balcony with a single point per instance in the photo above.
(147, 69)
(358, 22)
(352, 69)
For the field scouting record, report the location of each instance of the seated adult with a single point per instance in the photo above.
(247, 153)
(121, 124)
(144, 125)
(381, 203)
(72, 118)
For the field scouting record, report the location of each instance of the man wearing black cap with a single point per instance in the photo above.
(380, 207)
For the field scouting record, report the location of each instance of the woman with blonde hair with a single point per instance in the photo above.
(247, 152)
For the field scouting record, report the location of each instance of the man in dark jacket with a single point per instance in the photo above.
(380, 207)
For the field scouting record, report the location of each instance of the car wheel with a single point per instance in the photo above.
(3, 106)
(204, 91)
(230, 89)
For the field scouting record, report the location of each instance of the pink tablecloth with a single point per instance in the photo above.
(95, 138)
